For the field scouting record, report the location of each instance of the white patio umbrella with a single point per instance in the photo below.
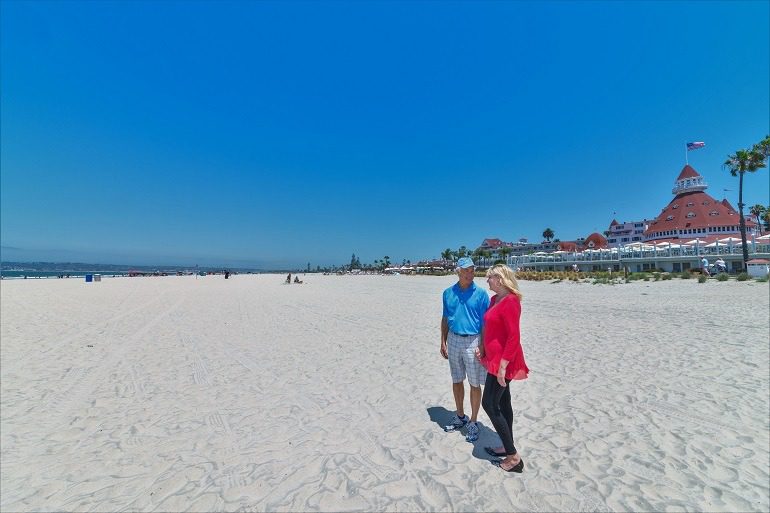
(731, 240)
(695, 242)
(763, 238)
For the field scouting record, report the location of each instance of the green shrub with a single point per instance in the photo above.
(702, 278)
(685, 275)
(722, 277)
(764, 279)
(742, 277)
(656, 276)
(666, 276)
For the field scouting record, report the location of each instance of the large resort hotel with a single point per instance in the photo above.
(691, 226)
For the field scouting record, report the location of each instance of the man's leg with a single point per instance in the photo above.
(459, 392)
(477, 375)
(475, 402)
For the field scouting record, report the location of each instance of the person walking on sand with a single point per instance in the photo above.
(501, 353)
(461, 326)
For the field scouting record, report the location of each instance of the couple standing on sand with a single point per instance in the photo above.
(479, 337)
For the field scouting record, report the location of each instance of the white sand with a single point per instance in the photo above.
(246, 394)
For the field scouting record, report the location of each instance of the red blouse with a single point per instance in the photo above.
(502, 338)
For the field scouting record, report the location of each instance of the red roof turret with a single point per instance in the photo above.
(687, 172)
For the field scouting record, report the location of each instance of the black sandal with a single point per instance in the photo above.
(518, 468)
(492, 452)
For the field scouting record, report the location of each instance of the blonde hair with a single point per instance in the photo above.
(507, 278)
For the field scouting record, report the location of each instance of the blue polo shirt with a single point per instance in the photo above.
(464, 309)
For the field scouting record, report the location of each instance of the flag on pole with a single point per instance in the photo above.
(695, 145)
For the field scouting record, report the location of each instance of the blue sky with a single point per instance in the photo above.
(273, 134)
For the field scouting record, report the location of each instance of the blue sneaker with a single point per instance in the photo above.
(457, 423)
(473, 432)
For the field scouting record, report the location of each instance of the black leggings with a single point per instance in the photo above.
(497, 403)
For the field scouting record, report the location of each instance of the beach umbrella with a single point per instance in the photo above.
(695, 242)
(731, 240)
(764, 238)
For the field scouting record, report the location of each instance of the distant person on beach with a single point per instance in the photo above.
(288, 278)
(461, 323)
(704, 266)
(502, 355)
(297, 280)
(721, 266)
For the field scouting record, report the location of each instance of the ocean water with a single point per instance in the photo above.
(16, 274)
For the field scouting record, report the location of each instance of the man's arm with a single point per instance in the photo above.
(444, 335)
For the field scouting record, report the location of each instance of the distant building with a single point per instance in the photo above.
(625, 233)
(693, 213)
(521, 247)
(492, 245)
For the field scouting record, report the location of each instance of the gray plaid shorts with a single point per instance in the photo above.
(463, 361)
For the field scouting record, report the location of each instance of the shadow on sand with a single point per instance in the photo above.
(487, 436)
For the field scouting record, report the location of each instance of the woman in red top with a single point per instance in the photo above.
(501, 354)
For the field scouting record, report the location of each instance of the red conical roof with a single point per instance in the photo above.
(687, 172)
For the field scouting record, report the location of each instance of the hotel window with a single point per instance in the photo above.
(713, 213)
(705, 202)
(676, 205)
(690, 215)
(669, 218)
(690, 204)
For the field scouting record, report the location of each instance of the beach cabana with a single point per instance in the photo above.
(758, 267)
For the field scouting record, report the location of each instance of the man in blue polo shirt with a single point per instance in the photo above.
(461, 323)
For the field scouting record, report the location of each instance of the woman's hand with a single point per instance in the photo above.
(501, 373)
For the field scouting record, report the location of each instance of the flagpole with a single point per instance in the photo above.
(686, 158)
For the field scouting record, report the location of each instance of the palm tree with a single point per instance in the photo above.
(386, 261)
(485, 254)
(548, 234)
(766, 218)
(763, 147)
(739, 163)
(504, 252)
(462, 251)
(446, 254)
(758, 212)
(477, 254)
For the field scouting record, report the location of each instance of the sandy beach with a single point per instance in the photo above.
(206, 394)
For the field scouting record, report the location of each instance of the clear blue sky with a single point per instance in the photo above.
(272, 134)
